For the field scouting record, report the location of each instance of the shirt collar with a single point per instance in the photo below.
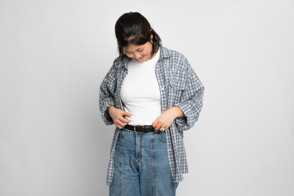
(164, 53)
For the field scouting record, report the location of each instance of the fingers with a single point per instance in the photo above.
(124, 120)
(121, 122)
(120, 125)
(154, 124)
(127, 114)
(158, 126)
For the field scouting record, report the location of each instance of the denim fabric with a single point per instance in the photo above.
(141, 166)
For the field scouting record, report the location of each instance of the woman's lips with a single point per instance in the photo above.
(141, 57)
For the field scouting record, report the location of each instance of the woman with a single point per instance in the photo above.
(152, 95)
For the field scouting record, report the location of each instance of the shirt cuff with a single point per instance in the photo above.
(105, 115)
(190, 118)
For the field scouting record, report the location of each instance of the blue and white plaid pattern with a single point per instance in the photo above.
(179, 86)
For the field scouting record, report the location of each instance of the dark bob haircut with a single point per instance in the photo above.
(133, 28)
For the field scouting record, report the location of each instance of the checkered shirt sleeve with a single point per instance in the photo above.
(192, 100)
(106, 96)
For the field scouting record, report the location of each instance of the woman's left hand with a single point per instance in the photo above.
(165, 119)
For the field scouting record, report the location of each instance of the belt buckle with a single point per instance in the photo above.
(137, 126)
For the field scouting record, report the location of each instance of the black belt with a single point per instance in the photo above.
(141, 128)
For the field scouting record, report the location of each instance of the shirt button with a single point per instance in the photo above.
(169, 149)
(161, 88)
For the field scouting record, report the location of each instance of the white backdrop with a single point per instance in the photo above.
(54, 55)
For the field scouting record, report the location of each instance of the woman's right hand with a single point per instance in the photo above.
(117, 116)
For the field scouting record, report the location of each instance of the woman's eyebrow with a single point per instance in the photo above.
(129, 51)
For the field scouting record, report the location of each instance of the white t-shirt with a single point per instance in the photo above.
(140, 92)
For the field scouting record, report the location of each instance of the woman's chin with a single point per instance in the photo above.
(140, 60)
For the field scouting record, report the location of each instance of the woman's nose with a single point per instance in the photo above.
(137, 55)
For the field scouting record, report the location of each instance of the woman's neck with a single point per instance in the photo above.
(153, 55)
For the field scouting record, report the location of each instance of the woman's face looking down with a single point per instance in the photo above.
(139, 53)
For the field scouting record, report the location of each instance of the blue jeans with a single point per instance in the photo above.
(141, 166)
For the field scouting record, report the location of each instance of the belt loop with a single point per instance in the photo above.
(135, 129)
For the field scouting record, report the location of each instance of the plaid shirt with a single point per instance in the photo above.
(179, 86)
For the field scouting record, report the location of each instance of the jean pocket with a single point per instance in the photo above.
(162, 136)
